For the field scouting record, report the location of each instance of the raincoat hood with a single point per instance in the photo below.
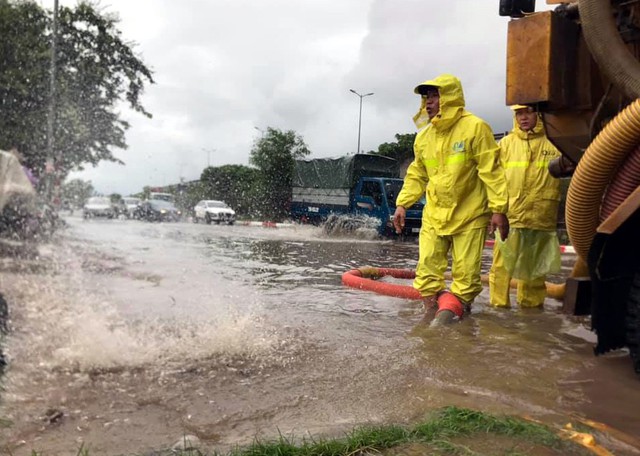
(537, 131)
(13, 180)
(451, 103)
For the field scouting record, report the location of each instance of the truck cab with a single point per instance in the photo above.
(376, 197)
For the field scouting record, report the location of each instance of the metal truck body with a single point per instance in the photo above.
(358, 186)
(579, 66)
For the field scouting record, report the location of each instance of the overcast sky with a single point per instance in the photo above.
(226, 68)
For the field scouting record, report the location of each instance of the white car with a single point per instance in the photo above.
(130, 203)
(214, 211)
(98, 206)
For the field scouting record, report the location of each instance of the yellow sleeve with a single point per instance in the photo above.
(415, 182)
(490, 170)
(502, 148)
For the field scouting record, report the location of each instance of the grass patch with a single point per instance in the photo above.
(435, 436)
(5, 423)
(450, 431)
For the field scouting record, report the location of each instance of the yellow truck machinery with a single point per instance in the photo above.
(579, 65)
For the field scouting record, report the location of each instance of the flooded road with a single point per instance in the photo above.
(128, 335)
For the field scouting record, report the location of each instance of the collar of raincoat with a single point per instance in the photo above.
(538, 130)
(451, 103)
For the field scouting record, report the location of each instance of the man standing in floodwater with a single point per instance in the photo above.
(532, 251)
(456, 164)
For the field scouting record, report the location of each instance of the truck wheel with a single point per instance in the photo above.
(633, 322)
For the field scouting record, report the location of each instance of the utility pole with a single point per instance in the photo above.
(360, 116)
(208, 152)
(50, 165)
(261, 131)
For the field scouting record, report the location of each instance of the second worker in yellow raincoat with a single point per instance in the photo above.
(456, 164)
(532, 249)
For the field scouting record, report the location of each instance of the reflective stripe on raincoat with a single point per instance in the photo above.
(534, 195)
(456, 159)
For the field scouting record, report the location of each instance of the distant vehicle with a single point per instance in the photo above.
(98, 206)
(214, 211)
(131, 204)
(161, 196)
(350, 190)
(157, 211)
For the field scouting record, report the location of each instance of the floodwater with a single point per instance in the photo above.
(127, 335)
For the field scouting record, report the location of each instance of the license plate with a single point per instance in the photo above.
(415, 230)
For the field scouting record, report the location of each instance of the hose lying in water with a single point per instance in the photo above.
(366, 278)
(557, 290)
(449, 307)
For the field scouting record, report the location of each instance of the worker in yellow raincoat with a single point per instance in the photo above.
(456, 164)
(532, 250)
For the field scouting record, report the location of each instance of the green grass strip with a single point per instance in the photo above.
(447, 423)
(454, 421)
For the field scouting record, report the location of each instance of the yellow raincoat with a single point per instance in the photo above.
(456, 163)
(534, 195)
(532, 249)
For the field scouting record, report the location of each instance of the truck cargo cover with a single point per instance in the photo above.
(343, 172)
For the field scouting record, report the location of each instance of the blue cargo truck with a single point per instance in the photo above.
(359, 187)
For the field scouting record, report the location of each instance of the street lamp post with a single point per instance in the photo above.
(50, 168)
(360, 115)
(208, 151)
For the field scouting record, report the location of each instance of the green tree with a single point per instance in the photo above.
(96, 71)
(77, 191)
(115, 198)
(234, 184)
(274, 155)
(400, 150)
(146, 192)
(188, 196)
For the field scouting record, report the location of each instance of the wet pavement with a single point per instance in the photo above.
(127, 335)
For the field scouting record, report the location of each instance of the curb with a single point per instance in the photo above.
(563, 248)
(267, 224)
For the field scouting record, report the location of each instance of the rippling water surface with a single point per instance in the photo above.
(128, 335)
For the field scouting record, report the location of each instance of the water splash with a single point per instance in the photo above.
(58, 323)
(358, 226)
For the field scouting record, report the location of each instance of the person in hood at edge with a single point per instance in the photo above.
(456, 164)
(534, 197)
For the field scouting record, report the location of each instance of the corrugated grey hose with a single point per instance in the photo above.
(609, 51)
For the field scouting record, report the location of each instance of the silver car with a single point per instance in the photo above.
(131, 204)
(98, 206)
(214, 211)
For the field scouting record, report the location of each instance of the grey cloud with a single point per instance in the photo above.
(225, 66)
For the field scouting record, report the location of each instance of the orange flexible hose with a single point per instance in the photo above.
(594, 172)
(449, 301)
(366, 278)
